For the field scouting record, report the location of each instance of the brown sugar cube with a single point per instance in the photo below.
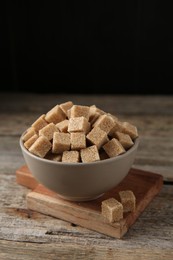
(103, 155)
(63, 126)
(105, 122)
(78, 111)
(130, 130)
(30, 141)
(94, 117)
(112, 210)
(40, 147)
(113, 117)
(94, 109)
(89, 154)
(113, 148)
(70, 156)
(66, 106)
(128, 200)
(29, 133)
(124, 139)
(48, 131)
(78, 124)
(117, 128)
(39, 123)
(97, 136)
(55, 115)
(68, 113)
(78, 141)
(61, 142)
(95, 113)
(53, 157)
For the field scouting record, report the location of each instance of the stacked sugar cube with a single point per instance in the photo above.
(76, 133)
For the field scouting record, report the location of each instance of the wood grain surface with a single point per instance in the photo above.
(30, 235)
(144, 185)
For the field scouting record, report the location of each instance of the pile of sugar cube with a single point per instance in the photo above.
(77, 133)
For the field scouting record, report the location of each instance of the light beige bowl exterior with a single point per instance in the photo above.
(80, 181)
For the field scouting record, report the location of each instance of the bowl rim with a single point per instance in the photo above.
(80, 164)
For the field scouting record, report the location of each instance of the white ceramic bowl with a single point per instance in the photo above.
(80, 181)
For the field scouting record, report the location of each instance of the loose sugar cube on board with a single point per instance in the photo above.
(41, 146)
(78, 141)
(61, 142)
(128, 200)
(70, 156)
(55, 115)
(97, 136)
(39, 123)
(113, 148)
(48, 131)
(90, 154)
(112, 210)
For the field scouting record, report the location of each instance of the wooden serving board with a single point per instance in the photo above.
(145, 185)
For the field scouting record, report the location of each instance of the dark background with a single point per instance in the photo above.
(87, 46)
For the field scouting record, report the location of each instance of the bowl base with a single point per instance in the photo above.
(77, 199)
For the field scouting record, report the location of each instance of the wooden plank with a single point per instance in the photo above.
(145, 186)
(84, 251)
(25, 178)
(152, 230)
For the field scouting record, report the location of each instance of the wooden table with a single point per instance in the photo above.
(30, 235)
